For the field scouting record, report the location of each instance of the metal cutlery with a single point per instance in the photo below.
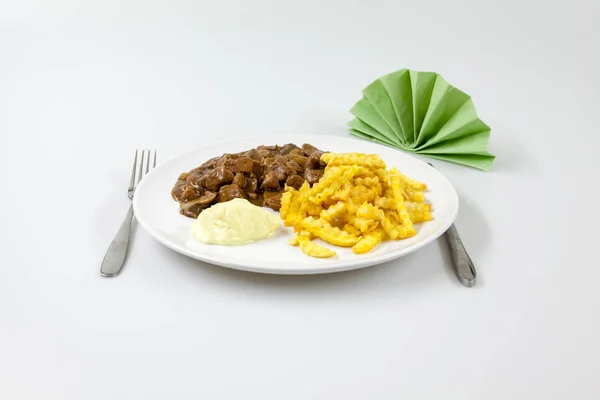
(117, 251)
(463, 266)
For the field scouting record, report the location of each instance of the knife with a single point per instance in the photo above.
(461, 262)
(463, 266)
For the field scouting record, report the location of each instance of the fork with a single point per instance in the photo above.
(117, 251)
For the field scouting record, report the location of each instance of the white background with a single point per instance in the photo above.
(82, 84)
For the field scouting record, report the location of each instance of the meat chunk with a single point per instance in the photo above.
(294, 168)
(267, 161)
(253, 154)
(313, 175)
(266, 148)
(242, 164)
(216, 178)
(300, 160)
(295, 181)
(226, 159)
(315, 159)
(271, 182)
(178, 189)
(211, 163)
(273, 200)
(194, 178)
(239, 180)
(229, 192)
(308, 149)
(288, 148)
(281, 171)
(257, 169)
(251, 185)
(190, 193)
(194, 207)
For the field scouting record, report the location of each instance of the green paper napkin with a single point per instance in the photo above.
(421, 113)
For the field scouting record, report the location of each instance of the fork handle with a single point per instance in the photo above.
(463, 266)
(117, 251)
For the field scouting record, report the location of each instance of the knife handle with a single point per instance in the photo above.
(463, 266)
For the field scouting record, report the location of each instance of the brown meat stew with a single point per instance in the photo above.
(258, 175)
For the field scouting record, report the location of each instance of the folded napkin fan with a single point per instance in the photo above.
(421, 113)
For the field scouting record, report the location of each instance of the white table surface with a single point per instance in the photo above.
(82, 84)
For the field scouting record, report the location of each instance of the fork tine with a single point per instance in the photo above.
(154, 159)
(132, 179)
(148, 161)
(141, 167)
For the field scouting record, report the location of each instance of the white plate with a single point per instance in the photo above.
(159, 214)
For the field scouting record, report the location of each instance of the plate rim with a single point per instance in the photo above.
(320, 269)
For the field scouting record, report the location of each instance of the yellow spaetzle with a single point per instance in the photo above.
(371, 161)
(313, 249)
(323, 229)
(368, 242)
(357, 203)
